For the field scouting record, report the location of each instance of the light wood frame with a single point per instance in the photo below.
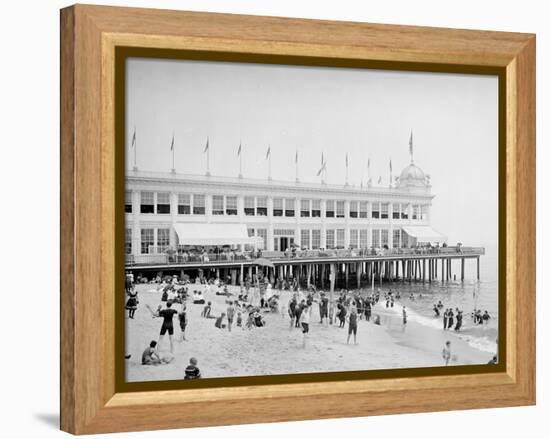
(89, 36)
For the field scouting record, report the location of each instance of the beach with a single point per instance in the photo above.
(276, 349)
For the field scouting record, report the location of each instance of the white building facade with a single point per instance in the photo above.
(308, 215)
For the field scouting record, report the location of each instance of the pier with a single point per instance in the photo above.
(323, 269)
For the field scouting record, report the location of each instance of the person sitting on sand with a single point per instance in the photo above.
(258, 319)
(219, 322)
(150, 357)
(192, 372)
(198, 298)
(207, 310)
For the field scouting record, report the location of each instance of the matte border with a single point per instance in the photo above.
(121, 55)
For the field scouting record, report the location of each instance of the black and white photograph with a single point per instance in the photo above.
(286, 219)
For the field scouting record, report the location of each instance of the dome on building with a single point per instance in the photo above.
(412, 175)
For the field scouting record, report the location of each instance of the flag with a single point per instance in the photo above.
(172, 144)
(239, 150)
(411, 144)
(296, 157)
(368, 164)
(323, 167)
(390, 166)
(322, 158)
(380, 180)
(268, 153)
(134, 138)
(346, 159)
(207, 147)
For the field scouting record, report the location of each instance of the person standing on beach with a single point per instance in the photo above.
(230, 315)
(404, 316)
(167, 315)
(292, 310)
(450, 321)
(447, 353)
(323, 309)
(182, 317)
(368, 310)
(304, 319)
(352, 322)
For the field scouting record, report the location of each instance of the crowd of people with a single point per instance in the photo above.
(245, 308)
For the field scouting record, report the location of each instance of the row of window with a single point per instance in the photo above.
(151, 242)
(195, 204)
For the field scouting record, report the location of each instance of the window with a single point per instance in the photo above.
(261, 206)
(385, 210)
(217, 205)
(163, 202)
(424, 212)
(384, 237)
(316, 208)
(304, 208)
(376, 210)
(289, 207)
(415, 212)
(340, 234)
(199, 205)
(304, 239)
(353, 238)
(262, 233)
(249, 206)
(147, 240)
(363, 209)
(396, 211)
(404, 211)
(315, 239)
(340, 209)
(330, 209)
(353, 209)
(363, 238)
(376, 238)
(231, 205)
(128, 202)
(163, 240)
(128, 242)
(397, 238)
(277, 207)
(147, 204)
(184, 204)
(330, 238)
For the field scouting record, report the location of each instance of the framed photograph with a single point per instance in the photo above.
(268, 219)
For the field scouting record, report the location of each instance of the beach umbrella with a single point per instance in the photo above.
(262, 262)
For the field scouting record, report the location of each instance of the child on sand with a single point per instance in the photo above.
(447, 353)
(305, 316)
(206, 310)
(192, 372)
(352, 328)
(230, 315)
(239, 319)
(219, 322)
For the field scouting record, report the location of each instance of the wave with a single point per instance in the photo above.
(482, 342)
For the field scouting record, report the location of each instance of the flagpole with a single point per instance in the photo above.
(347, 170)
(134, 139)
(391, 174)
(240, 161)
(269, 165)
(207, 157)
(296, 164)
(173, 167)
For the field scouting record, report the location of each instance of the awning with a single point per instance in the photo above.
(213, 234)
(424, 234)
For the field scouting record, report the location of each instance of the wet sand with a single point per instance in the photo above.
(277, 349)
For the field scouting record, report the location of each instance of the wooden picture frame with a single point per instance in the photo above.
(91, 402)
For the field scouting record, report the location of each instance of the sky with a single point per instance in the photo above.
(330, 111)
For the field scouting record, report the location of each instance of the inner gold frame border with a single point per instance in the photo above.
(93, 397)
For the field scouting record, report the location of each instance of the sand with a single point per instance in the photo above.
(277, 349)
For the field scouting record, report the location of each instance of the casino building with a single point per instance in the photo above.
(171, 210)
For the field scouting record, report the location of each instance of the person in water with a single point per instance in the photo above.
(436, 311)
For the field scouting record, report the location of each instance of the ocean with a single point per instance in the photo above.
(467, 295)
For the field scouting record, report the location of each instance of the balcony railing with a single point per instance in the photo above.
(161, 259)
